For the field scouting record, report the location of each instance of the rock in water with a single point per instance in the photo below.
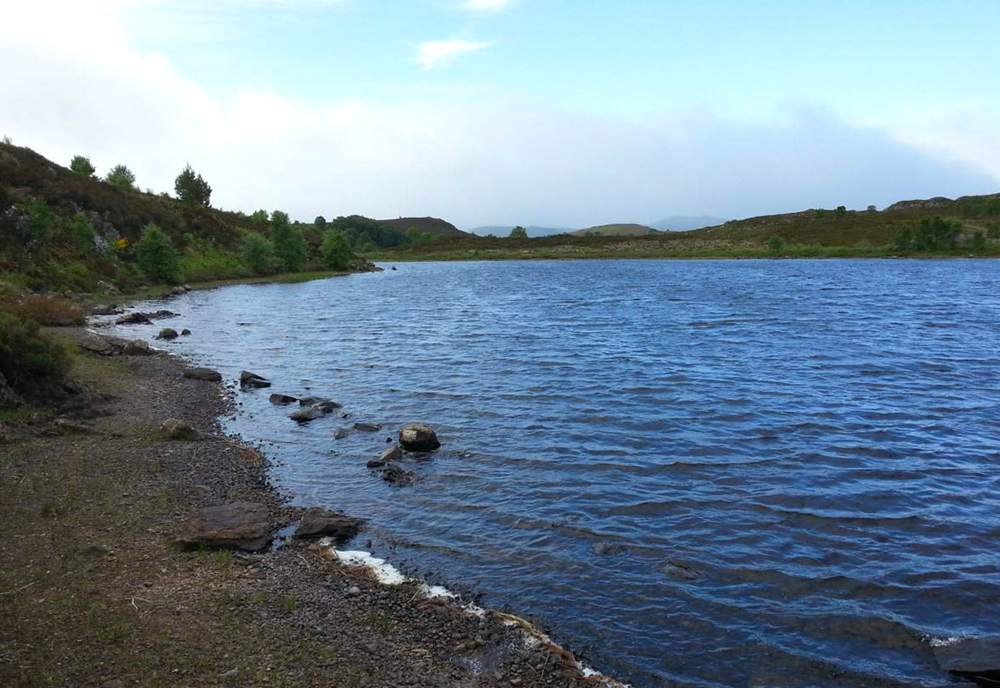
(394, 475)
(367, 427)
(307, 414)
(185, 332)
(977, 659)
(393, 453)
(206, 374)
(418, 438)
(340, 434)
(281, 399)
(317, 522)
(250, 380)
(178, 430)
(133, 319)
(240, 525)
(167, 333)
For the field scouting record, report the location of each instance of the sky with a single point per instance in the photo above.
(564, 113)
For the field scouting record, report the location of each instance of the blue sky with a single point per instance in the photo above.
(521, 111)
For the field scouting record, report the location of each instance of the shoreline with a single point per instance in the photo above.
(100, 593)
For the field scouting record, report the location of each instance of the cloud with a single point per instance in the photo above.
(474, 162)
(433, 54)
(486, 5)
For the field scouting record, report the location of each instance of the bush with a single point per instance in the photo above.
(191, 188)
(289, 244)
(841, 210)
(336, 253)
(121, 177)
(258, 254)
(776, 244)
(156, 256)
(80, 232)
(519, 233)
(48, 310)
(82, 166)
(32, 365)
(212, 265)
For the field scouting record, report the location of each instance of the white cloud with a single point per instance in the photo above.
(474, 163)
(433, 54)
(486, 5)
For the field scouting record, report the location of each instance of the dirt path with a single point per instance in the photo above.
(93, 592)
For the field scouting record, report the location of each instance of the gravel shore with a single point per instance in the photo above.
(95, 592)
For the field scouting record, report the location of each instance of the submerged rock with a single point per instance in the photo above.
(167, 333)
(134, 319)
(250, 380)
(394, 475)
(977, 659)
(418, 437)
(367, 427)
(206, 374)
(281, 399)
(306, 415)
(341, 433)
(318, 522)
(608, 548)
(393, 453)
(239, 525)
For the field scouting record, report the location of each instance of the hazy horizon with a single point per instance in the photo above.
(515, 112)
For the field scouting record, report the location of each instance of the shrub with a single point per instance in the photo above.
(978, 243)
(48, 310)
(191, 188)
(289, 244)
(841, 210)
(212, 265)
(936, 234)
(519, 233)
(80, 232)
(121, 177)
(776, 244)
(258, 254)
(156, 256)
(259, 216)
(336, 253)
(82, 166)
(32, 365)
(903, 239)
(320, 221)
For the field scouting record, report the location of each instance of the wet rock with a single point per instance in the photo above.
(393, 453)
(98, 345)
(160, 314)
(281, 399)
(178, 430)
(976, 659)
(367, 427)
(206, 374)
(325, 405)
(167, 333)
(134, 319)
(239, 525)
(318, 522)
(608, 548)
(177, 291)
(306, 415)
(106, 310)
(250, 380)
(185, 332)
(678, 569)
(340, 434)
(136, 347)
(418, 437)
(394, 475)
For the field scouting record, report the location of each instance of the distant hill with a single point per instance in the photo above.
(504, 230)
(428, 225)
(619, 230)
(682, 223)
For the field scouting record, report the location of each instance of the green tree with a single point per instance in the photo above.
(519, 232)
(936, 234)
(259, 216)
(81, 166)
(157, 258)
(320, 222)
(121, 177)
(336, 253)
(80, 231)
(903, 239)
(841, 210)
(776, 244)
(191, 188)
(289, 244)
(258, 253)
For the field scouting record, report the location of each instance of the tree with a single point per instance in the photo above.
(936, 234)
(121, 177)
(81, 166)
(259, 216)
(336, 253)
(289, 244)
(191, 188)
(841, 210)
(776, 244)
(158, 259)
(320, 222)
(258, 253)
(519, 232)
(871, 209)
(903, 240)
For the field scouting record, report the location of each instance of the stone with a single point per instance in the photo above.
(185, 332)
(106, 310)
(306, 415)
(319, 522)
(96, 344)
(65, 426)
(367, 427)
(340, 434)
(394, 475)
(167, 333)
(393, 453)
(607, 548)
(234, 525)
(206, 374)
(178, 430)
(418, 437)
(677, 569)
(977, 659)
(250, 380)
(136, 347)
(134, 319)
(281, 399)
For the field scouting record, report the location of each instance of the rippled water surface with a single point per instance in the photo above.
(699, 473)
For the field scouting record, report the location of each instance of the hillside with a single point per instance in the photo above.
(619, 230)
(682, 223)
(433, 226)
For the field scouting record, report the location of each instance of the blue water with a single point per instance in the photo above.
(705, 473)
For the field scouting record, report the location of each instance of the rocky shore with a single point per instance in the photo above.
(141, 549)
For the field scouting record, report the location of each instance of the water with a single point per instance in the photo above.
(704, 473)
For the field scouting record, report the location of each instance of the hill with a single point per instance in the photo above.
(504, 230)
(619, 230)
(682, 223)
(433, 226)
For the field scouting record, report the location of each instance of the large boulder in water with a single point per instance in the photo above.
(977, 659)
(281, 399)
(250, 380)
(307, 414)
(206, 374)
(235, 525)
(418, 437)
(167, 333)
